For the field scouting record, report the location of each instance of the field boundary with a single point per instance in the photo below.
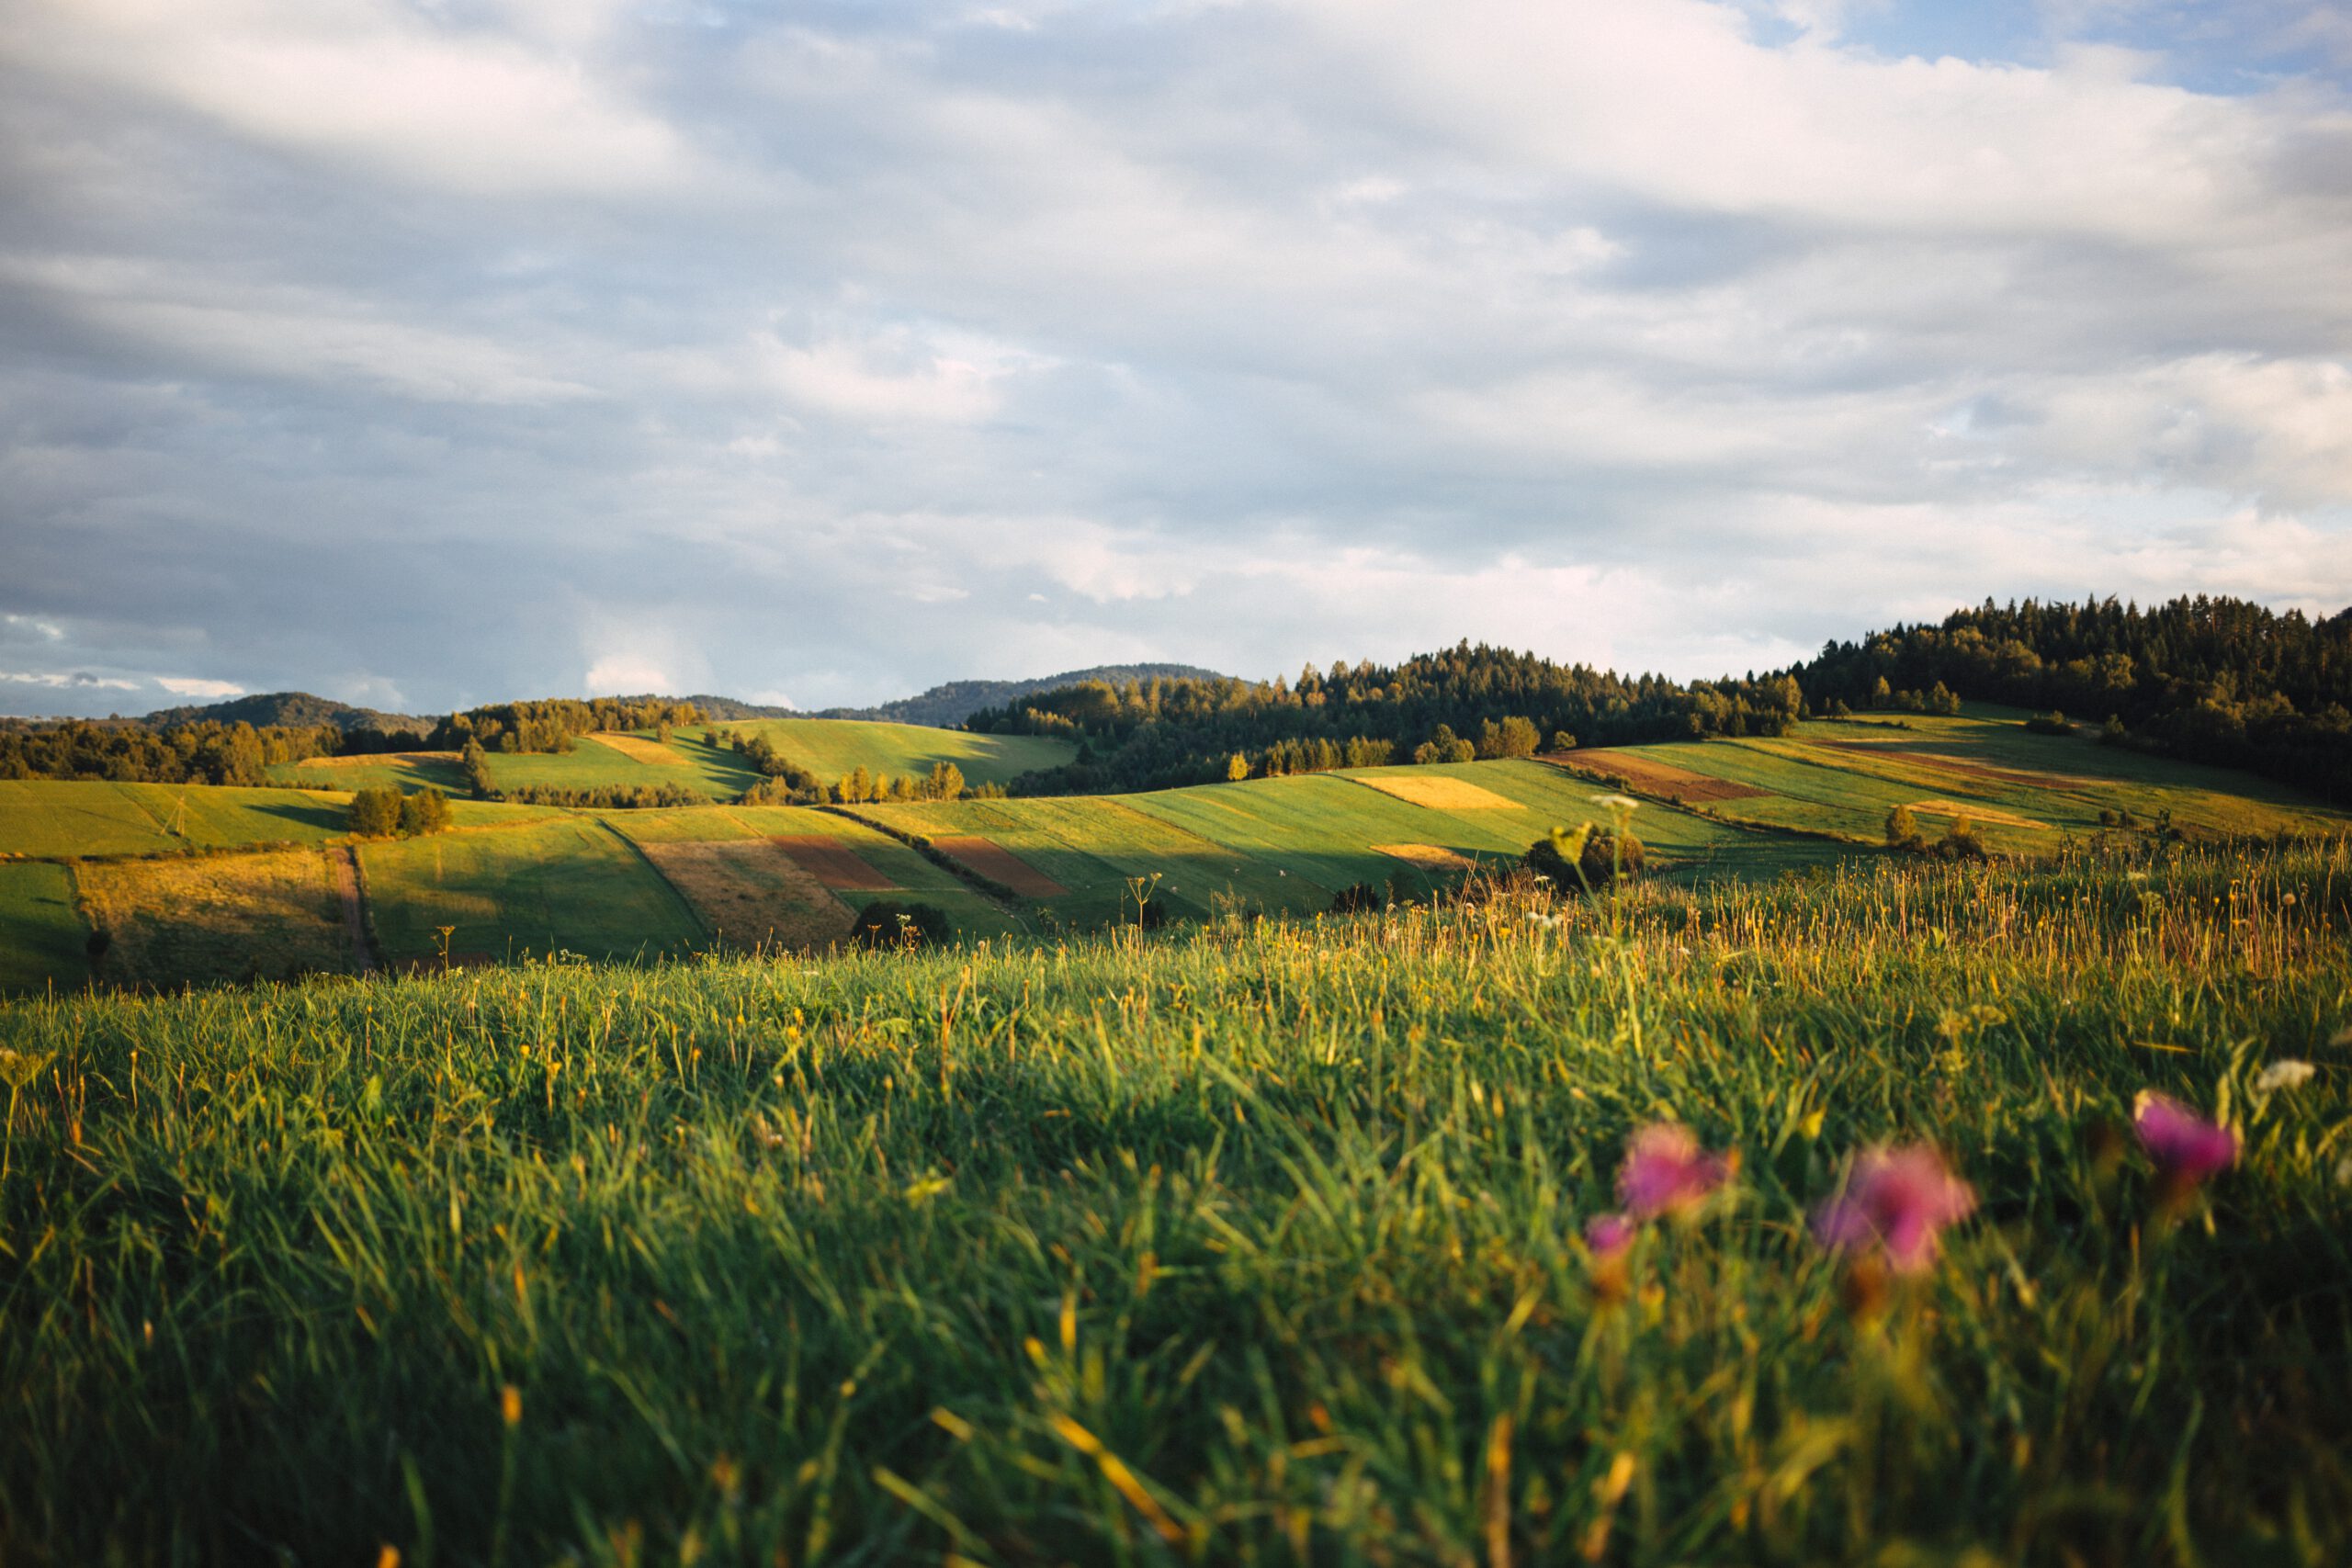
(989, 887)
(711, 937)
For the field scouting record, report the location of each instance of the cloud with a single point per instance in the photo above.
(195, 686)
(505, 348)
(79, 681)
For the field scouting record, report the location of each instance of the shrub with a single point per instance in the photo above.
(426, 811)
(375, 813)
(1902, 831)
(1360, 898)
(1960, 842)
(2051, 723)
(1601, 854)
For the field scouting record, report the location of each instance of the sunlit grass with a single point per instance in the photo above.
(1248, 1242)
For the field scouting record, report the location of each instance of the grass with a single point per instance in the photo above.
(40, 932)
(1252, 1243)
(407, 771)
(205, 919)
(831, 747)
(712, 770)
(568, 886)
(1843, 778)
(61, 820)
(44, 819)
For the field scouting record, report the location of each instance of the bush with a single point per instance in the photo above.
(1902, 831)
(1601, 855)
(1361, 898)
(887, 925)
(1960, 842)
(426, 811)
(374, 813)
(2051, 723)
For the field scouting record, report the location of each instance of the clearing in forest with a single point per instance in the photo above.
(998, 863)
(751, 892)
(1439, 793)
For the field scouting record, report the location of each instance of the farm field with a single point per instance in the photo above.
(879, 866)
(40, 934)
(2025, 791)
(831, 747)
(570, 884)
(407, 771)
(1237, 1243)
(203, 919)
(45, 818)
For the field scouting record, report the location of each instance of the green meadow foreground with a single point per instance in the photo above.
(1250, 1241)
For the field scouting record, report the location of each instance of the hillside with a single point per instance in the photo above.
(622, 884)
(950, 704)
(293, 710)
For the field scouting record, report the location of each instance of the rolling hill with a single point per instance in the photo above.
(950, 704)
(514, 881)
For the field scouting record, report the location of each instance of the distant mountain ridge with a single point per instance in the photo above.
(290, 709)
(948, 705)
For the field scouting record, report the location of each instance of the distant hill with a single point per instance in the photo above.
(294, 709)
(944, 708)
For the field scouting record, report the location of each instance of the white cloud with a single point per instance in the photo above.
(366, 81)
(197, 686)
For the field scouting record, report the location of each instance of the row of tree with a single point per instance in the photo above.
(1466, 701)
(207, 752)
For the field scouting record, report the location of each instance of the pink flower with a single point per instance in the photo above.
(1896, 1200)
(1666, 1172)
(1609, 1234)
(2184, 1146)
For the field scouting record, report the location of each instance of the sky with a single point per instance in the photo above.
(425, 353)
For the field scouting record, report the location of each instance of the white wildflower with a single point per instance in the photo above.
(2284, 1073)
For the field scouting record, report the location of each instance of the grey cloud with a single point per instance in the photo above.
(852, 349)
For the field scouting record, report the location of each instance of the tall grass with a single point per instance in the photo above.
(1252, 1242)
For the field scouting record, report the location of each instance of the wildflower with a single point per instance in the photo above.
(2184, 1146)
(1666, 1171)
(2284, 1073)
(1897, 1201)
(1609, 1234)
(2179, 1140)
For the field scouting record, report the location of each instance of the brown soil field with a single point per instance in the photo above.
(378, 758)
(998, 863)
(1653, 778)
(752, 892)
(832, 862)
(1428, 857)
(1443, 794)
(637, 749)
(1954, 765)
(218, 916)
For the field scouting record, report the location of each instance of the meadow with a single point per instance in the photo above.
(831, 747)
(1246, 1242)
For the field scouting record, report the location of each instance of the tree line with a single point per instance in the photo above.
(2209, 680)
(1465, 702)
(208, 752)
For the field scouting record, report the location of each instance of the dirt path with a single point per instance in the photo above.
(355, 921)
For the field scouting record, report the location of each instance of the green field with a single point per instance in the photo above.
(54, 819)
(1250, 1243)
(40, 934)
(406, 771)
(830, 748)
(2026, 791)
(567, 885)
